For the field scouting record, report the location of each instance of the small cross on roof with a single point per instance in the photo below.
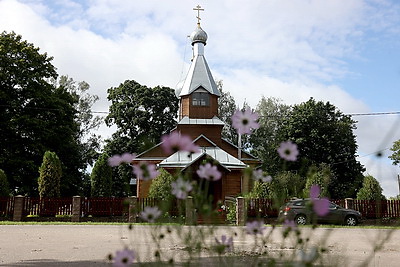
(198, 8)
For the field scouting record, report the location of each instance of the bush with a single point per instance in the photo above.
(50, 173)
(101, 178)
(161, 186)
(4, 186)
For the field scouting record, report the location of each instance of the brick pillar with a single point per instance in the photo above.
(18, 208)
(189, 211)
(240, 211)
(349, 203)
(132, 209)
(76, 209)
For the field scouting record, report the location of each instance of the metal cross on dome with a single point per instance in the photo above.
(198, 8)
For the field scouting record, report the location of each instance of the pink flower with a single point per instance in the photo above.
(288, 151)
(245, 122)
(124, 258)
(116, 159)
(150, 214)
(226, 243)
(320, 205)
(209, 172)
(255, 227)
(258, 175)
(144, 171)
(175, 142)
(181, 188)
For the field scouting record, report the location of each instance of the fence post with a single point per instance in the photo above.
(240, 211)
(349, 203)
(76, 209)
(18, 208)
(189, 211)
(132, 209)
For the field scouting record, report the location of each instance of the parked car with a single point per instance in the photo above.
(300, 211)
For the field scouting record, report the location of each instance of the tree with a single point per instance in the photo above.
(101, 178)
(396, 153)
(83, 102)
(321, 176)
(4, 187)
(142, 115)
(370, 190)
(50, 173)
(324, 135)
(161, 186)
(287, 184)
(264, 141)
(35, 117)
(226, 108)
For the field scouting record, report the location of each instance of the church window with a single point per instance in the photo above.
(201, 99)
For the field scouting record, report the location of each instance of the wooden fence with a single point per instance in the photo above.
(97, 207)
(6, 207)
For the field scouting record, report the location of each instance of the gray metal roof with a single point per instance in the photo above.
(214, 121)
(184, 159)
(199, 75)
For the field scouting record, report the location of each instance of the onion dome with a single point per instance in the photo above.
(198, 35)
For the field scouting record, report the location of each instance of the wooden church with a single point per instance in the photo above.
(198, 118)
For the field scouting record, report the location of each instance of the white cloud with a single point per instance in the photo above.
(292, 50)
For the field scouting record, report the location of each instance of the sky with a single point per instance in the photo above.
(344, 52)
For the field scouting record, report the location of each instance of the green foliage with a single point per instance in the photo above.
(324, 135)
(101, 178)
(321, 176)
(50, 173)
(37, 115)
(264, 140)
(161, 186)
(371, 189)
(396, 153)
(142, 115)
(287, 185)
(261, 190)
(4, 186)
(226, 108)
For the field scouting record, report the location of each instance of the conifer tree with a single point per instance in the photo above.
(101, 178)
(50, 173)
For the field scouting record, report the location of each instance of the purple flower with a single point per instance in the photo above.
(144, 171)
(258, 175)
(175, 142)
(255, 227)
(226, 244)
(150, 214)
(116, 159)
(314, 191)
(181, 188)
(245, 122)
(320, 205)
(209, 172)
(123, 258)
(288, 151)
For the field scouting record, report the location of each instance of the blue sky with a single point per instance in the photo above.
(345, 52)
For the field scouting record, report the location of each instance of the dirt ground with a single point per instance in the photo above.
(89, 245)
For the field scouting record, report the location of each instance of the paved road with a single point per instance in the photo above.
(89, 245)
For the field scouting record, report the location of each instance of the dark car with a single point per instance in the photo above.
(300, 211)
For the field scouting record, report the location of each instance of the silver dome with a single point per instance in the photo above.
(198, 36)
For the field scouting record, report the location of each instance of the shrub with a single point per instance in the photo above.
(50, 173)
